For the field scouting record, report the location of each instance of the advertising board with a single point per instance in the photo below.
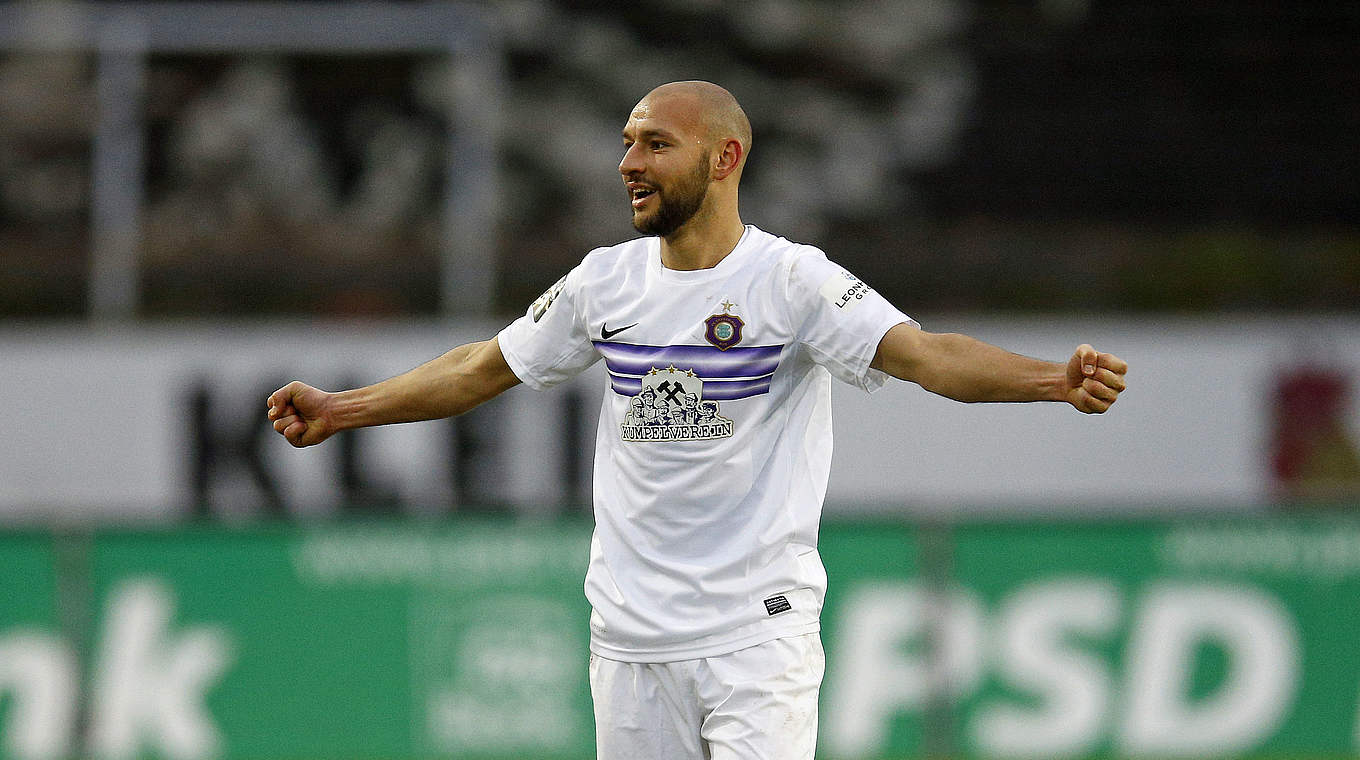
(469, 639)
(165, 422)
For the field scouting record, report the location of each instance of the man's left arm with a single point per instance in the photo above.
(966, 369)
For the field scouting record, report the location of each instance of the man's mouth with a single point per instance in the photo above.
(639, 194)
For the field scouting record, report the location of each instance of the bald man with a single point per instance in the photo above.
(704, 578)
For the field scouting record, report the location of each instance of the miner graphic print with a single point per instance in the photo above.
(670, 407)
(675, 392)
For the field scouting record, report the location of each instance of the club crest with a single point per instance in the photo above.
(724, 330)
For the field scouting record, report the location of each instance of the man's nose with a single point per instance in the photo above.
(631, 162)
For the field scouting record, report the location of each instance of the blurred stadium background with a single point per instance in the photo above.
(202, 200)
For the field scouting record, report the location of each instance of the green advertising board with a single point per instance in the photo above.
(370, 642)
(468, 640)
(1159, 641)
(365, 642)
(38, 674)
(28, 582)
(1182, 639)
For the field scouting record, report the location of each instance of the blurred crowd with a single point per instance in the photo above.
(959, 155)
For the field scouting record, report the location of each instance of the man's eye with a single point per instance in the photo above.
(658, 145)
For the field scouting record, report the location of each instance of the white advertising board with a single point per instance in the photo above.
(153, 422)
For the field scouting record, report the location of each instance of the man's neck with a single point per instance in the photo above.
(697, 245)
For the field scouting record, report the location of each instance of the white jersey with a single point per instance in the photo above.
(714, 443)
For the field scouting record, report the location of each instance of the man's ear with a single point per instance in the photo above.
(728, 158)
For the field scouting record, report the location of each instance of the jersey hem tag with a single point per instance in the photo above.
(777, 604)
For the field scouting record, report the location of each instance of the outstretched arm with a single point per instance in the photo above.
(967, 369)
(443, 387)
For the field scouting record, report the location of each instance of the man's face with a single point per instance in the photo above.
(665, 165)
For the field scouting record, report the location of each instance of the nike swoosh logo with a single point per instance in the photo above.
(606, 333)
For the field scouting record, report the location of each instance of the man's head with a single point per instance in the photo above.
(685, 146)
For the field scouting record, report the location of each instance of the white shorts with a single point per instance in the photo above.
(759, 703)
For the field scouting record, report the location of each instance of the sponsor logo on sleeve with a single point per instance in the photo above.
(844, 291)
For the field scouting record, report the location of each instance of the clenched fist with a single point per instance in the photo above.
(301, 414)
(1094, 380)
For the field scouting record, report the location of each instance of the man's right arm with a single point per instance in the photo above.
(442, 387)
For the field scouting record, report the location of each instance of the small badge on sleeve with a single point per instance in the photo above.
(540, 307)
(777, 604)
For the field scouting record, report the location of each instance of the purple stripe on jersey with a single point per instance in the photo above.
(726, 390)
(708, 362)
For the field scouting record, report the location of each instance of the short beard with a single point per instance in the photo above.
(677, 205)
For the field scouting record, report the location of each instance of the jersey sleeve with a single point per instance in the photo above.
(550, 344)
(843, 319)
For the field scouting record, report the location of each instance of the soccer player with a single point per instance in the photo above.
(704, 578)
